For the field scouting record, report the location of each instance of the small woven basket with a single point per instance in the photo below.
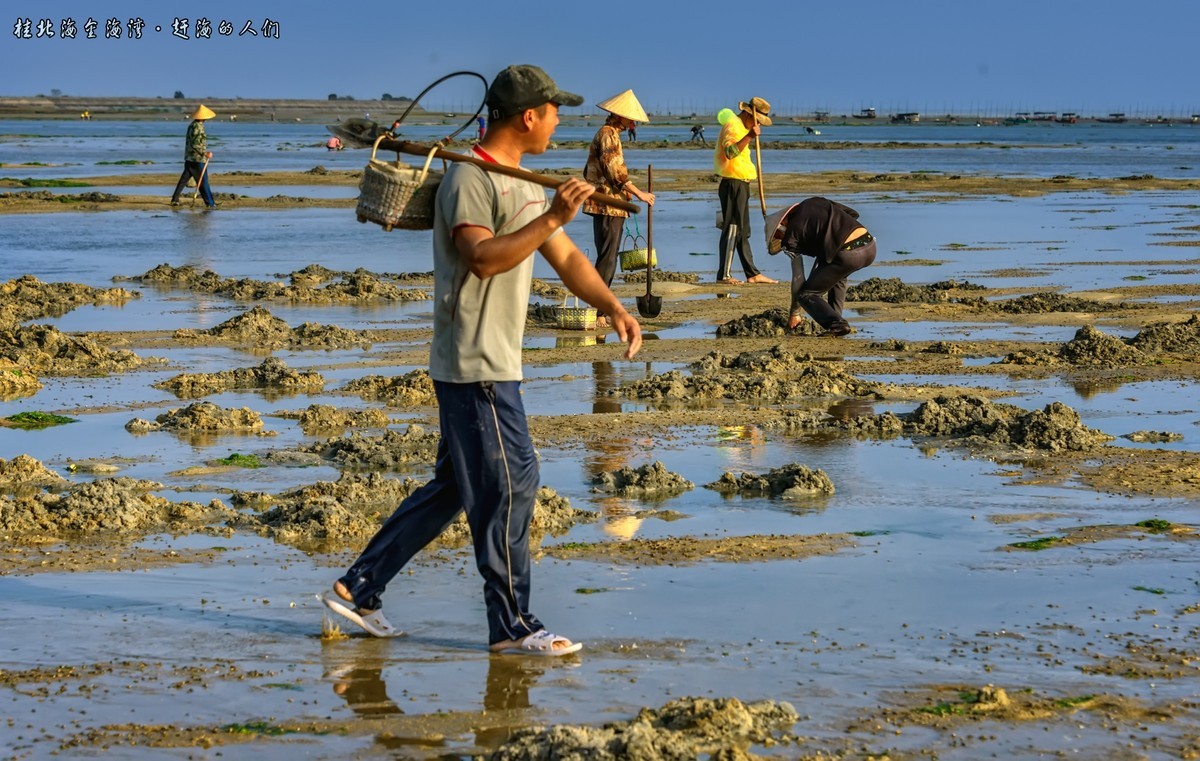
(394, 194)
(635, 257)
(576, 317)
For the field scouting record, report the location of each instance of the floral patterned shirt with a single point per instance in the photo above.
(606, 170)
(196, 144)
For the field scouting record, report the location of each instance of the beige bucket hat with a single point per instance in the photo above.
(203, 112)
(625, 105)
(761, 109)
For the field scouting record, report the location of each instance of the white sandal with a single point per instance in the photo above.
(373, 622)
(539, 643)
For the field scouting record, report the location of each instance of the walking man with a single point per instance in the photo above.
(195, 158)
(486, 229)
(731, 160)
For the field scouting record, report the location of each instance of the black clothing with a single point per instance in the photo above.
(735, 208)
(818, 227)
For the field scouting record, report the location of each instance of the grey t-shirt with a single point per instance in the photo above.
(478, 325)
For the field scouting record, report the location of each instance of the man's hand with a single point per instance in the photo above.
(568, 198)
(755, 130)
(628, 330)
(208, 154)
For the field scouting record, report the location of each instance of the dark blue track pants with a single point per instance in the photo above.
(486, 465)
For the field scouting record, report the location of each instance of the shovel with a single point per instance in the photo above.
(199, 180)
(649, 305)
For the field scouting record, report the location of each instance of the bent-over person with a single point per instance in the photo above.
(832, 234)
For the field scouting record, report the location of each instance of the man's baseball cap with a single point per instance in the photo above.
(520, 87)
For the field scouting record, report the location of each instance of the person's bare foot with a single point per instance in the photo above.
(761, 278)
(794, 322)
(601, 322)
(729, 281)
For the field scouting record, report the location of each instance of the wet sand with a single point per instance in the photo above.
(871, 534)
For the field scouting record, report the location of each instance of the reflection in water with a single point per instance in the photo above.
(1094, 387)
(506, 698)
(604, 377)
(847, 409)
(731, 439)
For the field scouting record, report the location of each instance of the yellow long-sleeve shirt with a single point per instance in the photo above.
(728, 161)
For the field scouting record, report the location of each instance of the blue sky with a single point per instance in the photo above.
(931, 56)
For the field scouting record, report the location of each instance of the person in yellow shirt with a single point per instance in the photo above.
(731, 160)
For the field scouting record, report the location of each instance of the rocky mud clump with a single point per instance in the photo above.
(390, 451)
(768, 375)
(27, 298)
(272, 375)
(201, 417)
(664, 276)
(651, 481)
(24, 471)
(346, 513)
(547, 290)
(1089, 348)
(687, 728)
(15, 382)
(356, 287)
(259, 328)
(45, 349)
(976, 421)
(896, 291)
(1044, 303)
(768, 324)
(325, 417)
(118, 506)
(1170, 337)
(411, 389)
(789, 482)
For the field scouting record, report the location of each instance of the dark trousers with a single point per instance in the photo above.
(735, 208)
(191, 171)
(486, 465)
(606, 231)
(823, 293)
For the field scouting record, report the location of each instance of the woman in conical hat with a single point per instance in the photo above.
(195, 158)
(606, 170)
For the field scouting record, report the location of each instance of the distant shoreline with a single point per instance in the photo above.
(328, 111)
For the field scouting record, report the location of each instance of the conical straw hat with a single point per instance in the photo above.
(203, 112)
(626, 105)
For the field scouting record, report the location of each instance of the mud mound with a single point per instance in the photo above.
(272, 374)
(547, 290)
(687, 728)
(661, 276)
(978, 421)
(328, 514)
(647, 482)
(392, 450)
(411, 389)
(541, 315)
(311, 276)
(790, 481)
(1176, 337)
(24, 471)
(359, 286)
(775, 374)
(944, 347)
(1044, 303)
(259, 328)
(1153, 437)
(15, 382)
(326, 417)
(768, 324)
(895, 291)
(201, 417)
(892, 344)
(45, 349)
(27, 298)
(112, 506)
(1089, 348)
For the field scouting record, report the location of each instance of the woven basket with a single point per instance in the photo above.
(394, 194)
(576, 317)
(634, 257)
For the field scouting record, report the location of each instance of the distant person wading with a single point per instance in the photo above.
(196, 157)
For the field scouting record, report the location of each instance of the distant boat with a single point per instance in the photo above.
(908, 117)
(1022, 117)
(1114, 118)
(1067, 118)
(866, 113)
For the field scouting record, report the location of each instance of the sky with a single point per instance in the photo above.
(929, 56)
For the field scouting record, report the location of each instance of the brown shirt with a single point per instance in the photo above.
(606, 170)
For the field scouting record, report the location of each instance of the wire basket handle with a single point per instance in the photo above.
(437, 82)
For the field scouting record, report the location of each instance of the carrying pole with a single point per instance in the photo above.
(416, 149)
(762, 196)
